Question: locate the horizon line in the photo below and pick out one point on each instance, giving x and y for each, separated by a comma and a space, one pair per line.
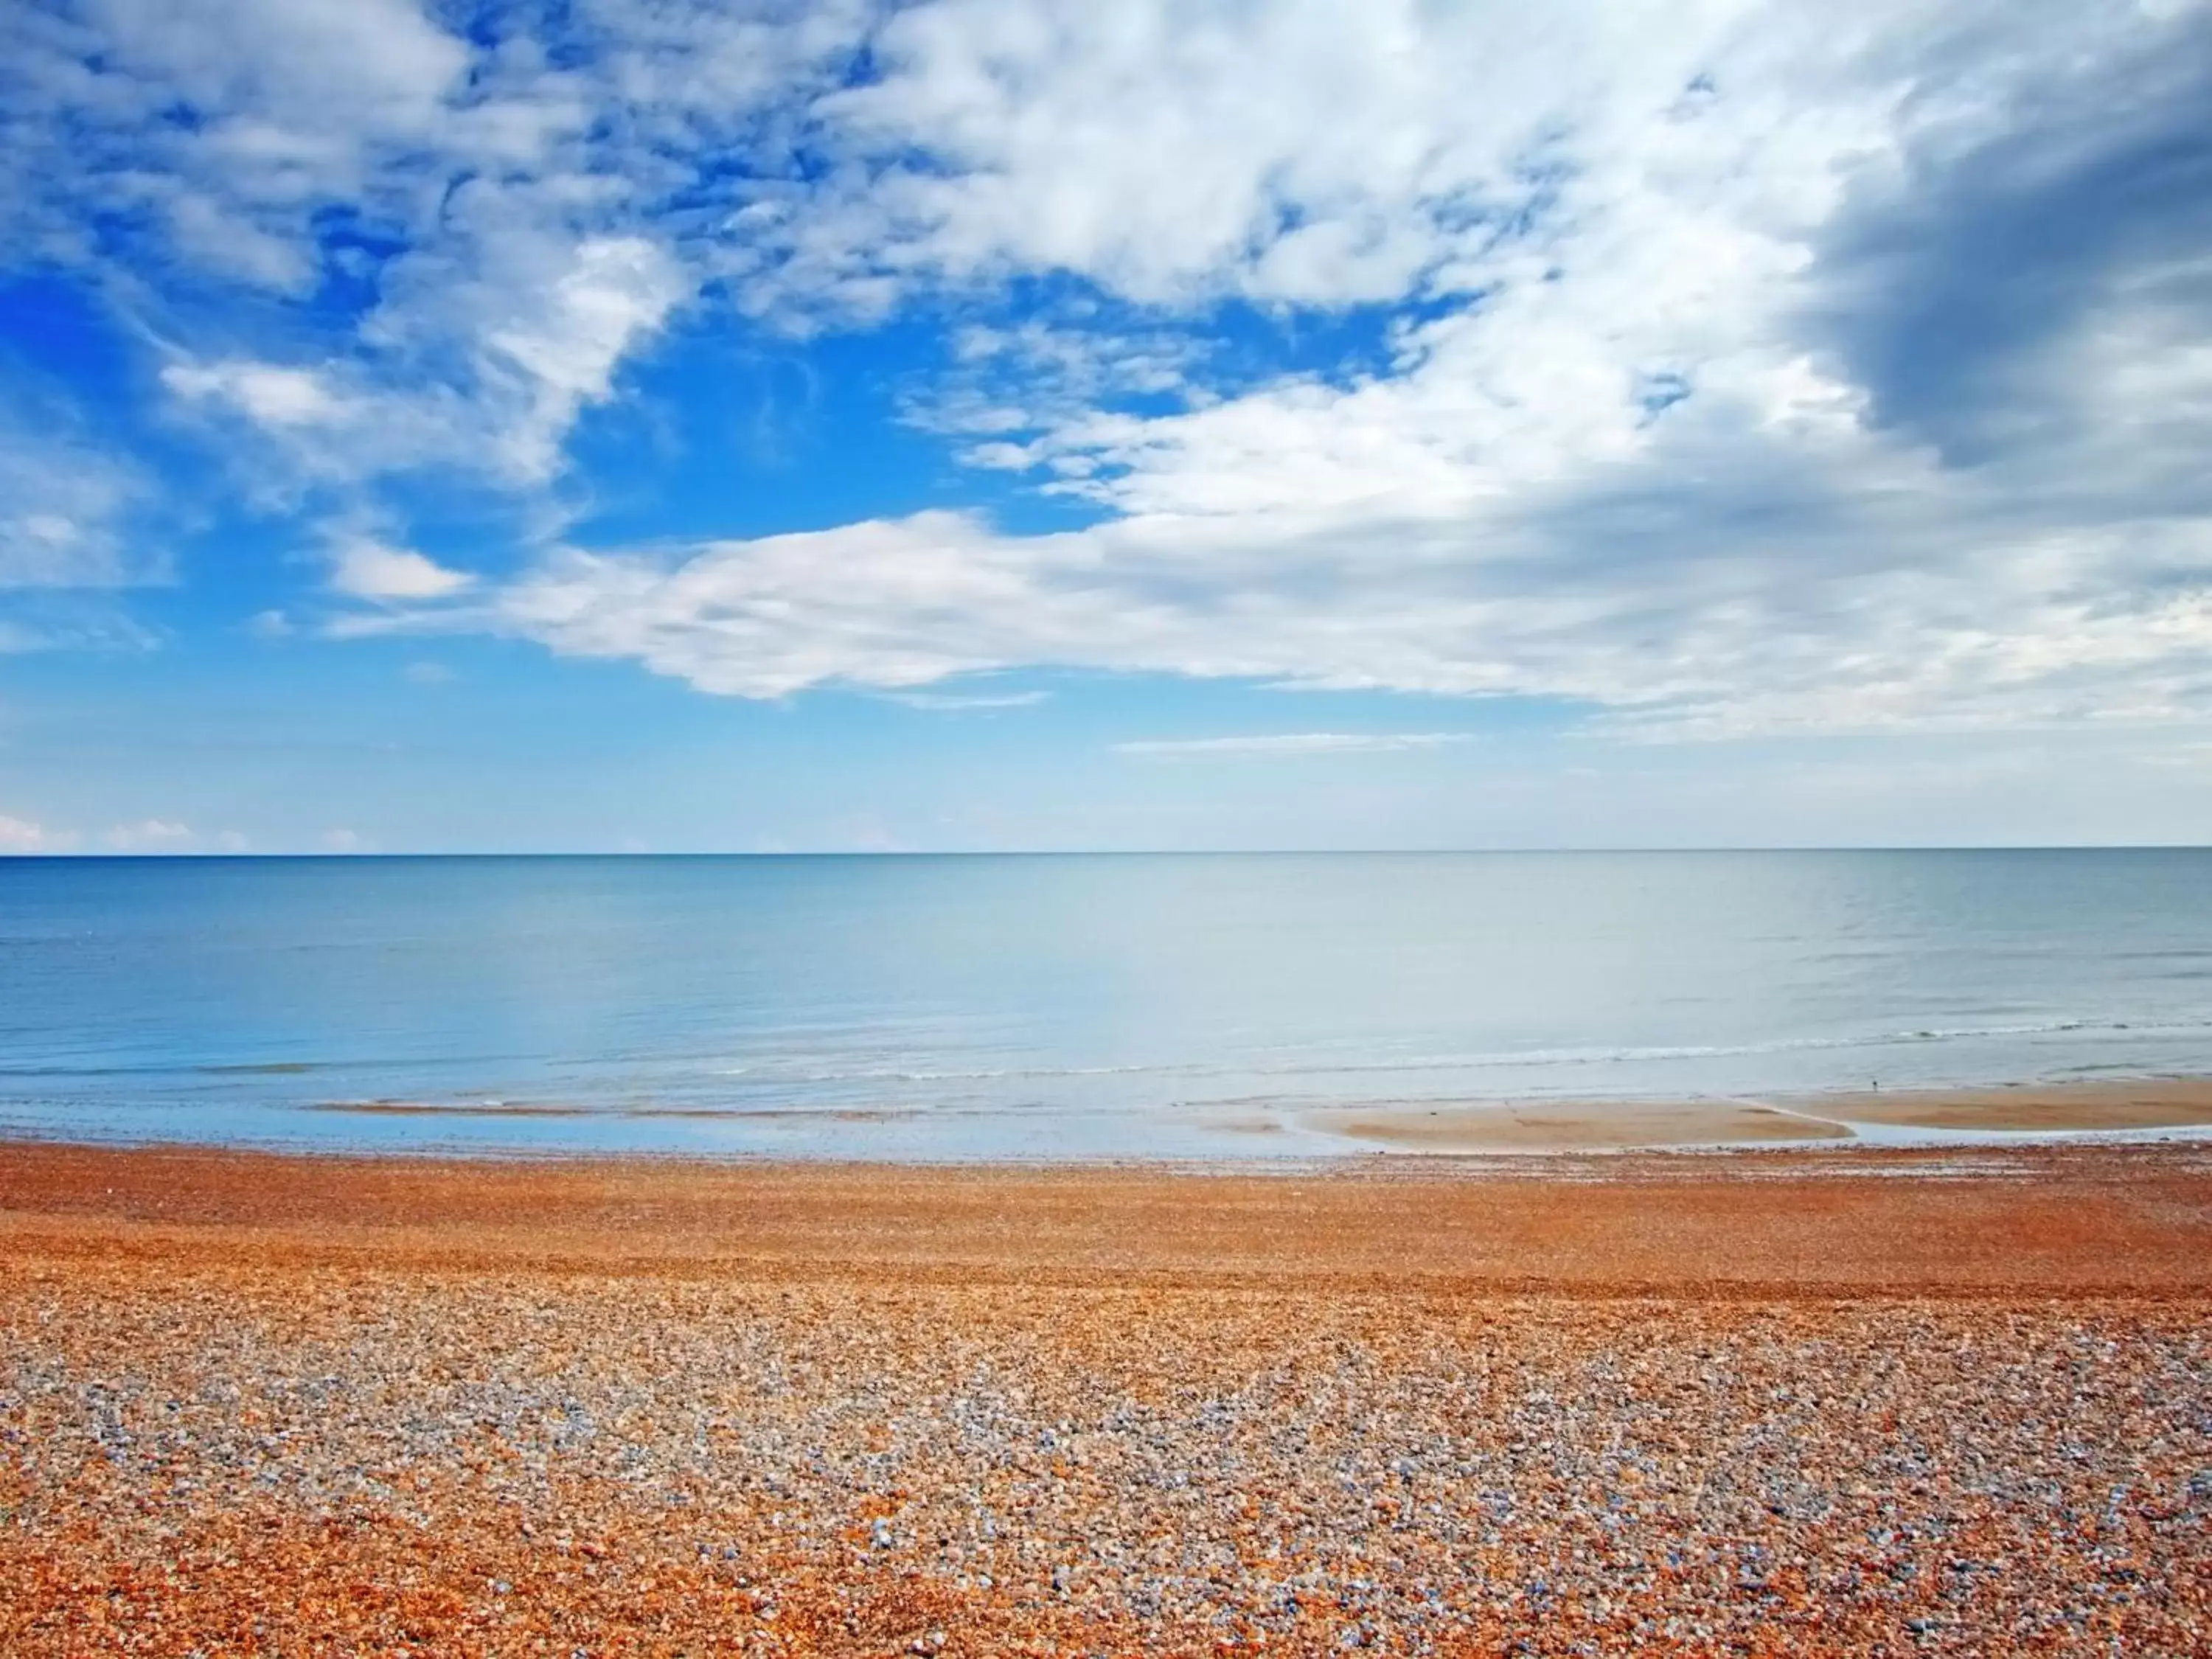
93, 857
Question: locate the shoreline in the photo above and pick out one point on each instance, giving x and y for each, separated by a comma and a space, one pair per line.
1254, 1134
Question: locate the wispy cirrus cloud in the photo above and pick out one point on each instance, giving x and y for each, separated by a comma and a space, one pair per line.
963, 702
1291, 744
68, 506
78, 528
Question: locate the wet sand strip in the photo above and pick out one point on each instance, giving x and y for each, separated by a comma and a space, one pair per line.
2150, 1104
1588, 1125
1571, 1125
1545, 1126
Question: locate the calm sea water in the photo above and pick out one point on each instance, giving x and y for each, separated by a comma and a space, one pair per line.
1041, 1006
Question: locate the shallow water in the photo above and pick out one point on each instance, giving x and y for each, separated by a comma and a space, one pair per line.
1047, 1007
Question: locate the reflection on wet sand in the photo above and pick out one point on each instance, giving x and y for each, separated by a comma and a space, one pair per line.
1570, 1126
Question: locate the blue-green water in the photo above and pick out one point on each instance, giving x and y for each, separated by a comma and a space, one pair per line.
1047, 1006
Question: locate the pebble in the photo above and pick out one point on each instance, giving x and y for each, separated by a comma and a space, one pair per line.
278, 1449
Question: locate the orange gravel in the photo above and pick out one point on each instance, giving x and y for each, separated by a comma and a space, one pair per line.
1776, 1402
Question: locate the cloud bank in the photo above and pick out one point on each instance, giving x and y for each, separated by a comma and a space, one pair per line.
1728, 367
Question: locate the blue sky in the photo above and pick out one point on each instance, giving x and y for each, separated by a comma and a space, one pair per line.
996, 423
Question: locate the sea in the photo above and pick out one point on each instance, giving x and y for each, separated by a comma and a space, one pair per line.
1046, 1007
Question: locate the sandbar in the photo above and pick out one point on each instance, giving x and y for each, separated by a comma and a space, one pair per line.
2148, 1103
1570, 1126
1477, 1127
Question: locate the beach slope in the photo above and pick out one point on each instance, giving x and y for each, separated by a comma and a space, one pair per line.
1768, 1401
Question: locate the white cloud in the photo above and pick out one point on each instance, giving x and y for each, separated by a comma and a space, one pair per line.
1281, 743
1613, 462
1857, 617
366, 569
263, 72
44, 548
274, 396
1723, 371
24, 835
220, 237
767, 617
549, 219
1312, 153
501, 213
67, 507
538, 341
564, 351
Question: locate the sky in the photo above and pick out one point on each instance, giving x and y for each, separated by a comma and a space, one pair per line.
605, 425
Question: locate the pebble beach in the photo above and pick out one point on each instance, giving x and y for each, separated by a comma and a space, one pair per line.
1769, 1401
